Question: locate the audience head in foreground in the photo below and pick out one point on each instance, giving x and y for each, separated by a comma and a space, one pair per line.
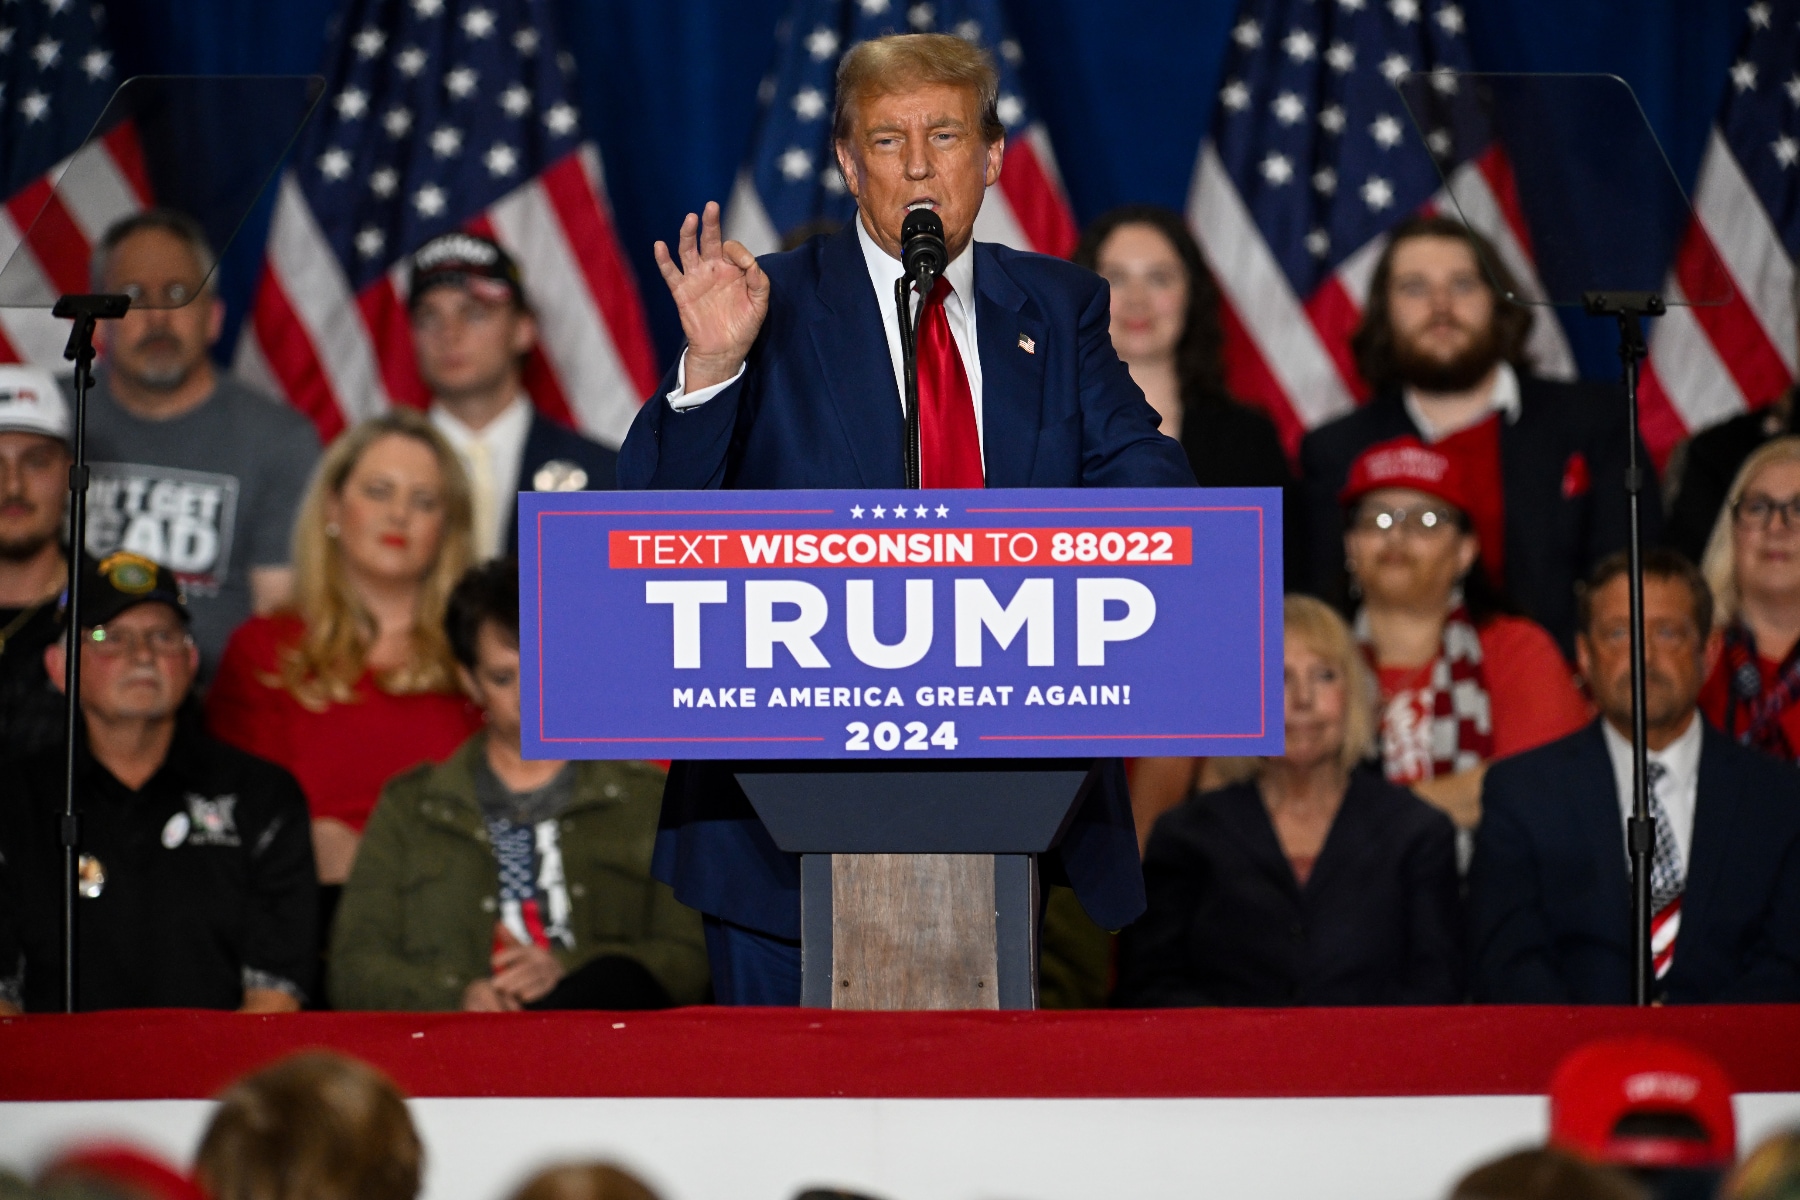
1463, 681
34, 492
494, 882
584, 1181
316, 1126
1653, 1107
1769, 1172
473, 333
196, 885
1318, 882
1549, 889
1753, 566
356, 682
1549, 1174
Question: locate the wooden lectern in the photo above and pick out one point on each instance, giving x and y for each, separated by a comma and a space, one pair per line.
918, 887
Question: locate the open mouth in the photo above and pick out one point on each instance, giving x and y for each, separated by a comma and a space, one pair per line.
918, 204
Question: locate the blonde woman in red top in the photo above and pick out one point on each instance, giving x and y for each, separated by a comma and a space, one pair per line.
355, 682
1462, 681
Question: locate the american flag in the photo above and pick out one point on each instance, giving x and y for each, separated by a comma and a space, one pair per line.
1709, 363
791, 178
56, 75
441, 115
1311, 161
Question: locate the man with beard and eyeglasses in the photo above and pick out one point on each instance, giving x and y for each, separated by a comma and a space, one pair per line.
1549, 908
190, 468
1444, 352
34, 490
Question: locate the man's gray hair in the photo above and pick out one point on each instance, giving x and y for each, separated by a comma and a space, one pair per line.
169, 220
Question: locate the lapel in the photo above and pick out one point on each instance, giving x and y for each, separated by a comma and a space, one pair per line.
1707, 851
853, 355
1349, 836
1594, 803
1012, 380
535, 453
1241, 809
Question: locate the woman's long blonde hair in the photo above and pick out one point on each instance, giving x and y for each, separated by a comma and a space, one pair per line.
1719, 563
324, 667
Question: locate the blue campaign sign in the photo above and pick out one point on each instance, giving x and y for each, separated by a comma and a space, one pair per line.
893, 625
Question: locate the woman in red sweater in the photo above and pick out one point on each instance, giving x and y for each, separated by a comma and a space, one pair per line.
355, 683
1462, 681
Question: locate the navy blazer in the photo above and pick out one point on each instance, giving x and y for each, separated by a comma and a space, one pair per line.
1560, 519
548, 442
817, 407
1377, 921
1550, 891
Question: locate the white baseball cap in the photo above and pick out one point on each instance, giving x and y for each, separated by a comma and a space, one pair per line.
31, 401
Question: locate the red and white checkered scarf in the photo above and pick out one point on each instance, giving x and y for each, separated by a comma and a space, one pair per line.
1446, 725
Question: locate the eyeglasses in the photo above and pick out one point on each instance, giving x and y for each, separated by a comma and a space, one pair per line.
1758, 511
1417, 522
1671, 635
117, 643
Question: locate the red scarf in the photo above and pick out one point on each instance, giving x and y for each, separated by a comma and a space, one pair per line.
1752, 715
1446, 725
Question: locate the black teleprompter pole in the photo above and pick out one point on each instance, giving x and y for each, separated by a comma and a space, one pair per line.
85, 311
1629, 309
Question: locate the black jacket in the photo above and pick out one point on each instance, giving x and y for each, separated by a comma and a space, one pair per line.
1560, 519
1228, 923
1710, 464
1550, 893
209, 883
549, 445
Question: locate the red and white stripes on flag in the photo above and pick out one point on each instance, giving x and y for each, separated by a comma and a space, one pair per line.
1027, 210
340, 356
1709, 363
1291, 354
55, 222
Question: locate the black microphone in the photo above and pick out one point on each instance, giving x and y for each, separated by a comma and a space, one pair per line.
922, 250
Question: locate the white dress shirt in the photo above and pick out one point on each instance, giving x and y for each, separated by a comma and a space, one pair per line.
1680, 789
884, 271
1503, 399
491, 457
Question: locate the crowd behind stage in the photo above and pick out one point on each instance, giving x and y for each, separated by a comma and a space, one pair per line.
298, 759
321, 1126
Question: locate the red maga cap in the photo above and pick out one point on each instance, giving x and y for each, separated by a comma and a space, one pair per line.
1406, 462
119, 1167
1603, 1083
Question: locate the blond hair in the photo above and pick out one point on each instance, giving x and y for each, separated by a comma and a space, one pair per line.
1769, 1172
316, 1126
1325, 632
332, 654
1719, 563
885, 65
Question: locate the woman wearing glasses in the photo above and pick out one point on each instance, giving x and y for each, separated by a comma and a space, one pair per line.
1752, 563
1462, 679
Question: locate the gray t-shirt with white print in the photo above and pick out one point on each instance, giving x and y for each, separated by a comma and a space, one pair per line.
209, 494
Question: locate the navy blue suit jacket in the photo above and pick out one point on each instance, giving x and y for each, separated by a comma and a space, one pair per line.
1550, 893
1559, 521
817, 407
548, 442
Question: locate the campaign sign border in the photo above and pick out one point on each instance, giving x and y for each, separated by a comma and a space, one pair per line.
585, 631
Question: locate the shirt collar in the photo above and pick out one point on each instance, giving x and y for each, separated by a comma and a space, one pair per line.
510, 424
1503, 399
1680, 758
884, 268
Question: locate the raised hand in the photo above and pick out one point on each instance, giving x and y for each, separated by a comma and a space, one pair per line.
721, 294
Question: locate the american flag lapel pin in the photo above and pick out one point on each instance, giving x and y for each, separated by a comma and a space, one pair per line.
1026, 344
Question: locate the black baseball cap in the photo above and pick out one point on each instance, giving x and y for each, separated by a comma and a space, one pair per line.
124, 580
470, 261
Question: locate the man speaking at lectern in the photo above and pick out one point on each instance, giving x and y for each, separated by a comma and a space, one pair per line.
792, 379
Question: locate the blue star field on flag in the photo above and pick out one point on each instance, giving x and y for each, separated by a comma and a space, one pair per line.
1761, 118
791, 161
1314, 134
56, 75
433, 110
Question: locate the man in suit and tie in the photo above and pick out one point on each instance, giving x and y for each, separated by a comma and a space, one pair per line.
1445, 352
472, 330
792, 379
1549, 888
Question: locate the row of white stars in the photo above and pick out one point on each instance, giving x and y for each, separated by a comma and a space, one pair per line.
47, 52
352, 104
1743, 78
796, 164
823, 41
34, 105
1301, 47
856, 511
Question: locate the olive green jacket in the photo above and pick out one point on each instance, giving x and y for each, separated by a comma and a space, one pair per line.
416, 924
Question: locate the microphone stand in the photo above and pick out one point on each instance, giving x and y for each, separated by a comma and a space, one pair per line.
85, 311
1640, 835
909, 364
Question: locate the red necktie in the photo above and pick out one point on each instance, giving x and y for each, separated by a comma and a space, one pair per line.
949, 446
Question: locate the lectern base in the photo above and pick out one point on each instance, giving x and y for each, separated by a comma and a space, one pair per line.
918, 931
